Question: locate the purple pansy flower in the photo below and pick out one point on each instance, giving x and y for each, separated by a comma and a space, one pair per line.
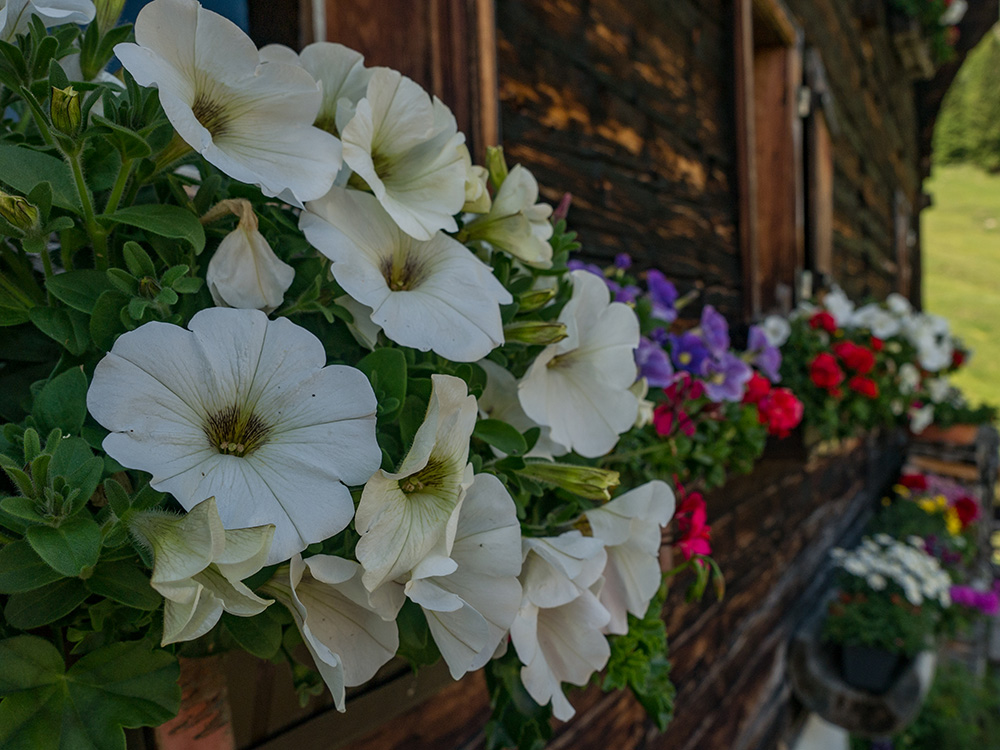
628, 294
689, 352
767, 358
663, 295
653, 363
579, 265
660, 336
715, 330
623, 261
725, 377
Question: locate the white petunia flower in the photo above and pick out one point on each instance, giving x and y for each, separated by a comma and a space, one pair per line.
579, 387
558, 631
938, 388
434, 295
251, 120
920, 417
629, 526
244, 271
647, 408
349, 632
776, 330
15, 15
470, 611
839, 306
198, 566
340, 70
882, 323
898, 304
407, 149
909, 377
408, 519
241, 408
516, 222
477, 196
499, 401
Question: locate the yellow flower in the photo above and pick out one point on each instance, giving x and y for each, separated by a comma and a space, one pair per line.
953, 522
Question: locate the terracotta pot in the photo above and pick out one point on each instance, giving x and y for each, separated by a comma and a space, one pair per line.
957, 434
204, 721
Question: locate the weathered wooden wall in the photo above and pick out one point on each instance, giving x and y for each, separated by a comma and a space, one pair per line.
629, 105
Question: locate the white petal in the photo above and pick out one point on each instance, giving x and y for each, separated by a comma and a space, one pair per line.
556, 568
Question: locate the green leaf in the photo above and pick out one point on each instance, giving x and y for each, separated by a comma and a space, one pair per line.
69, 328
79, 289
23, 168
105, 322
46, 604
62, 402
128, 142
260, 635
416, 644
172, 222
386, 371
125, 583
47, 708
23, 508
517, 720
501, 436
21, 569
69, 548
138, 260
75, 462
117, 497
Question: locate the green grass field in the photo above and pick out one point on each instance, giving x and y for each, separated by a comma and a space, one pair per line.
961, 247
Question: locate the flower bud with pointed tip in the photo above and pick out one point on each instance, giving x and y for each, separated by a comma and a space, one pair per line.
541, 332
496, 165
18, 211
108, 12
65, 110
586, 481
535, 299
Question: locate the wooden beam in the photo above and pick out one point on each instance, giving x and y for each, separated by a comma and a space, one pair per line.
746, 159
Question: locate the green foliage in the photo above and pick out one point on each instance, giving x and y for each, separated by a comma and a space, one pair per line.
47, 707
639, 662
517, 721
968, 126
962, 712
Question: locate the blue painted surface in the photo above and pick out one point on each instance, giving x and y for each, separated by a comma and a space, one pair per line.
234, 10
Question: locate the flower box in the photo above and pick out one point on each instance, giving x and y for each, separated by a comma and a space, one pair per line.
956, 434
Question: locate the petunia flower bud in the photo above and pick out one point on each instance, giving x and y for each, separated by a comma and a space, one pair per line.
535, 299
586, 481
65, 110
244, 272
108, 12
18, 211
541, 332
496, 165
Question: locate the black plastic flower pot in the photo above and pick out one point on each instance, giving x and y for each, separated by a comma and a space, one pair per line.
869, 669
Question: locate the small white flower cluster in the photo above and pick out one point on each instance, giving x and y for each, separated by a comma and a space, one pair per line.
882, 560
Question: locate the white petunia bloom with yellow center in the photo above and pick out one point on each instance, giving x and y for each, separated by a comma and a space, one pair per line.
629, 526
579, 387
517, 223
408, 519
253, 121
244, 271
432, 296
241, 408
349, 632
471, 610
198, 567
499, 401
340, 70
558, 631
407, 150
15, 15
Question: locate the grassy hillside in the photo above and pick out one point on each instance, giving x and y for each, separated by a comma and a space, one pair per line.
961, 246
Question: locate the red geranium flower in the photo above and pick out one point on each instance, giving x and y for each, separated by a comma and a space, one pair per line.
967, 509
757, 388
865, 386
877, 344
957, 358
825, 372
914, 481
823, 320
695, 534
857, 358
781, 411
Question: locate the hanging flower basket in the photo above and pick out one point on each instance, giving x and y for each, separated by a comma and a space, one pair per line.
870, 669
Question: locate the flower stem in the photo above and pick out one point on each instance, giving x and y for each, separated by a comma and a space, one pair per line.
97, 235
116, 192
